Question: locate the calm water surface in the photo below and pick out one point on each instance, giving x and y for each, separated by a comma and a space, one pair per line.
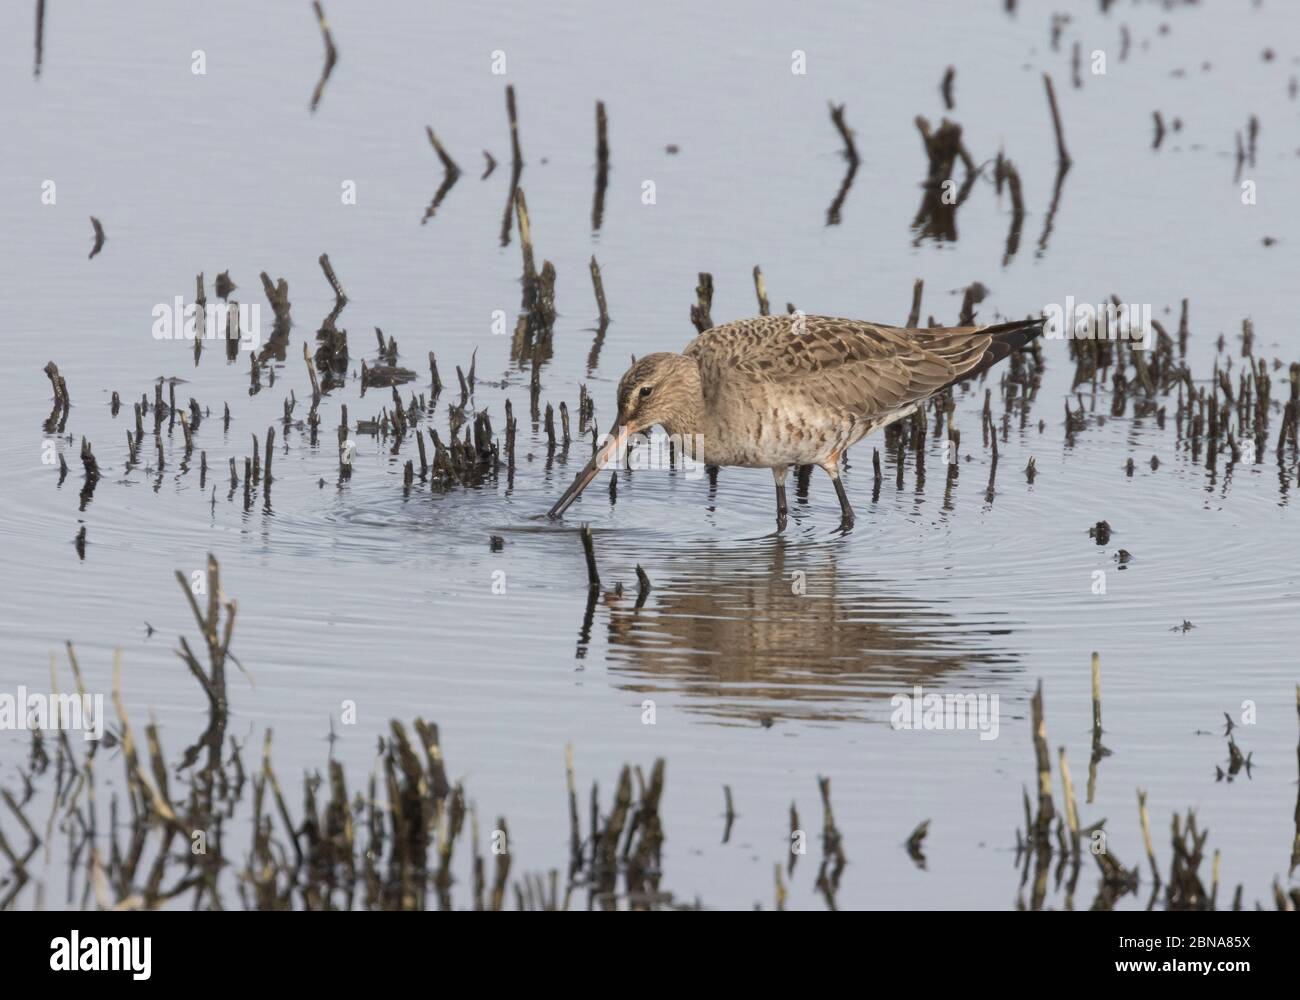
770, 658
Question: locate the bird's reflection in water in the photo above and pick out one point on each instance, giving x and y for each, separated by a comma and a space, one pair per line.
775, 631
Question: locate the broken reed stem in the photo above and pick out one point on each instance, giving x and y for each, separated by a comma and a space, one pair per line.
311, 373
1046, 811
127, 740
599, 286
345, 457
448, 164
40, 35
339, 295
837, 116
701, 311
516, 155
269, 450
511, 428
760, 289
59, 385
1071, 810
526, 245
1062, 155
1146, 834
434, 376
1017, 198
1295, 847
503, 868
331, 54
88, 461
1096, 697
602, 136
575, 831
916, 841
602, 168
589, 550
914, 316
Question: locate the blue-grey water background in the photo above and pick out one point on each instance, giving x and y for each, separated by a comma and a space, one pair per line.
358, 592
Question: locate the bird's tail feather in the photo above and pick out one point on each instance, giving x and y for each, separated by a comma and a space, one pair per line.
1017, 333
1004, 338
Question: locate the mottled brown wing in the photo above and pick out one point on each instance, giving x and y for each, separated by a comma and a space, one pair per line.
861, 368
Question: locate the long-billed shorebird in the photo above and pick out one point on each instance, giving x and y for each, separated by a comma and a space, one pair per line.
777, 391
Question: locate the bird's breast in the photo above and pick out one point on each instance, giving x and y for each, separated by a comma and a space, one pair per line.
762, 428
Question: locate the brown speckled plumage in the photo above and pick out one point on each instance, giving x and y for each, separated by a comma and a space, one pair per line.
776, 391
825, 382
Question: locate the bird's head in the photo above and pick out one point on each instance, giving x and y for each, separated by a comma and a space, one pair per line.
659, 390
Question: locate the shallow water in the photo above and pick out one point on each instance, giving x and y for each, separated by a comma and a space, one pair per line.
771, 659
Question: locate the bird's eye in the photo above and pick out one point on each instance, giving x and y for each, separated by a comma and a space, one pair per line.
645, 391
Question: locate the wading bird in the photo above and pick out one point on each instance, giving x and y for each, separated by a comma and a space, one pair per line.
777, 391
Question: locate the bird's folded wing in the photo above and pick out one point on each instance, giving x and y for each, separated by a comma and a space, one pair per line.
861, 368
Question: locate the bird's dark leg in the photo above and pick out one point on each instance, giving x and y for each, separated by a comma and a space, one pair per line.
779, 473
845, 506
833, 470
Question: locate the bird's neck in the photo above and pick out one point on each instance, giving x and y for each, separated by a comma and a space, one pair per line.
688, 414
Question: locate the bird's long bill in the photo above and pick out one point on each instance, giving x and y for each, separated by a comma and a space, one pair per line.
615, 441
